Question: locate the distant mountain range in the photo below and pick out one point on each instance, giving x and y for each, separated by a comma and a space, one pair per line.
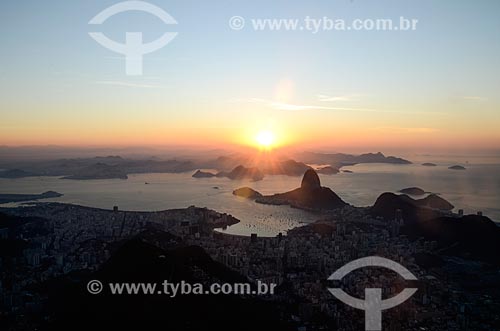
97, 168
233, 167
99, 171
339, 160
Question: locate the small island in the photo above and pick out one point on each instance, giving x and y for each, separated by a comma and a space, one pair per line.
412, 191
16, 173
428, 164
328, 170
241, 172
202, 174
6, 198
457, 167
238, 173
247, 192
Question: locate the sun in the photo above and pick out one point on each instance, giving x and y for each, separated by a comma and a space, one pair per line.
265, 139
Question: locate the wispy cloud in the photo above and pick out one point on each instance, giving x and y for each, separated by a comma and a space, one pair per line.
329, 98
296, 107
129, 84
304, 107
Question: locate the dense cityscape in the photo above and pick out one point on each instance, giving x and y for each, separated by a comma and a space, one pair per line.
56, 239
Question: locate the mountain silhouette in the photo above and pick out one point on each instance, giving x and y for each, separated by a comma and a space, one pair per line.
138, 261
310, 195
470, 236
412, 210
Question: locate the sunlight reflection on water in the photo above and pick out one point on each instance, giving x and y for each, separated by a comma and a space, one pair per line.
477, 188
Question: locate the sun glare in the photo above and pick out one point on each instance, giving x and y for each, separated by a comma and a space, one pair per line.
265, 139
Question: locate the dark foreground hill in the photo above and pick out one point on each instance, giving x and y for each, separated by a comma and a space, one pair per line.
137, 261
412, 209
470, 236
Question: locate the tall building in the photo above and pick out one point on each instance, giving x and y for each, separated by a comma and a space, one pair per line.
396, 223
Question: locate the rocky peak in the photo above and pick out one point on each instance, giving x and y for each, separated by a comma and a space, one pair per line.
310, 181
